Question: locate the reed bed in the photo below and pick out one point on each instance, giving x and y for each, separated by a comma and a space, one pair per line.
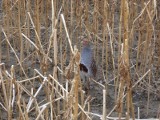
40, 55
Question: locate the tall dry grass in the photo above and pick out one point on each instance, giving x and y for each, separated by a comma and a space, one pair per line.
40, 55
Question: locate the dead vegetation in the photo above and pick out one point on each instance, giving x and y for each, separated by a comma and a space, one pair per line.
40, 55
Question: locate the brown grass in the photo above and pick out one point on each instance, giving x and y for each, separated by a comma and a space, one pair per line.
40, 56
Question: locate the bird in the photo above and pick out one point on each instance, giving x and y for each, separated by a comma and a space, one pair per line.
88, 67
87, 63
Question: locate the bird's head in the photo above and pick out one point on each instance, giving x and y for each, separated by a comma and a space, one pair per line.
86, 43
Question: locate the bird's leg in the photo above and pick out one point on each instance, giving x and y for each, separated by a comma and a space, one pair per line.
88, 87
88, 83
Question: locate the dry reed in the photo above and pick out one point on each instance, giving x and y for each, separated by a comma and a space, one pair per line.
39, 67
